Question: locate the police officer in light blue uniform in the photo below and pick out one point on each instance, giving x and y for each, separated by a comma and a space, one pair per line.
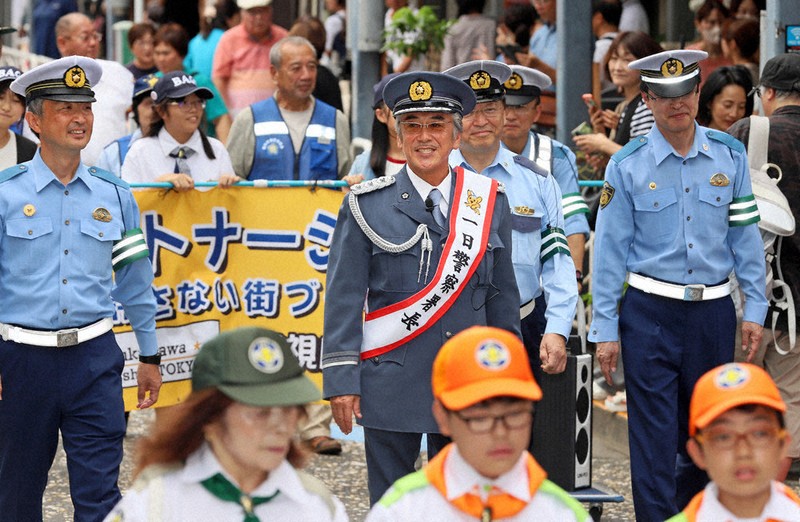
397, 241
70, 243
542, 262
677, 216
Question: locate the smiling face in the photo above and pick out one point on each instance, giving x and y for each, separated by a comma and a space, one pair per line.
493, 453
427, 149
63, 126
621, 75
297, 75
728, 107
674, 115
251, 441
482, 127
11, 108
743, 472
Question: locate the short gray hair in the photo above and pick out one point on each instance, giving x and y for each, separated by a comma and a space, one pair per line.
35, 106
275, 54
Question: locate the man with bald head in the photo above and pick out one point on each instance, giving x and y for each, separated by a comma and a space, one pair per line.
76, 36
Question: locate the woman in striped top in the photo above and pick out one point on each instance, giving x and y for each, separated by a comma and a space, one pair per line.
631, 118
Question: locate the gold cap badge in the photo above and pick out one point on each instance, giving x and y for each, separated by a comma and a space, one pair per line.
720, 180
29, 210
420, 91
480, 80
101, 214
514, 83
75, 77
671, 68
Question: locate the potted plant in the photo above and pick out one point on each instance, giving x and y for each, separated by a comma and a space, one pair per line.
417, 33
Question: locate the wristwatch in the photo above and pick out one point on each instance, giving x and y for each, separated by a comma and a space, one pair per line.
150, 359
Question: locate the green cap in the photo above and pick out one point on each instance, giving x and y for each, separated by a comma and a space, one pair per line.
254, 366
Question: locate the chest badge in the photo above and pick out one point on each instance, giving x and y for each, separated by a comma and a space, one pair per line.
652, 185
524, 211
29, 210
473, 202
719, 180
101, 214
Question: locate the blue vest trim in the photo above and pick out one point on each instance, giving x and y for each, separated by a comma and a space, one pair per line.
274, 157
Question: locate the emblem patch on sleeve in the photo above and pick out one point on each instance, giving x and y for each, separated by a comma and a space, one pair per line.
606, 195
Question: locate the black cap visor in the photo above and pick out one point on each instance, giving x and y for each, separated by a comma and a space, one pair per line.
673, 89
63, 94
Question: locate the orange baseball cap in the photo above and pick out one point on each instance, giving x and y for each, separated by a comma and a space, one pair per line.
728, 386
480, 363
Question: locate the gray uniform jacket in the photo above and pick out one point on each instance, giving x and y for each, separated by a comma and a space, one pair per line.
395, 387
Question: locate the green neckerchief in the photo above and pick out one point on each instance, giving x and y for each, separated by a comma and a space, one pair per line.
223, 489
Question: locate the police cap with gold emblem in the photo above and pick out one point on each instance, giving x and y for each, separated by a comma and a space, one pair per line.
485, 77
428, 92
68, 79
670, 74
525, 85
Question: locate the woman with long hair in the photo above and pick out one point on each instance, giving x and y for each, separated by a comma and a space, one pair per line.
230, 451
174, 148
14, 148
385, 157
631, 117
724, 98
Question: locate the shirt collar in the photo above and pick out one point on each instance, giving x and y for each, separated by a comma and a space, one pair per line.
461, 478
778, 506
662, 148
424, 188
43, 176
504, 159
203, 464
168, 143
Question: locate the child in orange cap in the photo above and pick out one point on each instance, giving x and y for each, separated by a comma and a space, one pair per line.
738, 437
483, 399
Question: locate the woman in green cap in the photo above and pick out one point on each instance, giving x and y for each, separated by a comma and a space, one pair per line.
229, 451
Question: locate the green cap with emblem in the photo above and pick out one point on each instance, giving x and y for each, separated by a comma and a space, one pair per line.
68, 79
254, 366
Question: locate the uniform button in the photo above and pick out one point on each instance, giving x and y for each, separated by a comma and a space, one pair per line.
66, 192
690, 270
691, 245
687, 189
688, 218
64, 281
66, 252
30, 232
100, 234
448, 334
717, 199
594, 332
64, 311
655, 204
684, 162
489, 246
66, 221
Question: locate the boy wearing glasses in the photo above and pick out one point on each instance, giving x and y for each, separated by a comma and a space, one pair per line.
738, 437
483, 399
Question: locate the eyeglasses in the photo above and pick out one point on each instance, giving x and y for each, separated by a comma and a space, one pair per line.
521, 108
415, 128
188, 105
491, 111
85, 37
511, 421
727, 439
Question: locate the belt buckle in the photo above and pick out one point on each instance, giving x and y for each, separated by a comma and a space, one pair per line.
65, 338
693, 292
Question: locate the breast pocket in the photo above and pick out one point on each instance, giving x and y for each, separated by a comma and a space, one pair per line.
30, 241
97, 239
713, 210
526, 239
323, 160
656, 215
397, 272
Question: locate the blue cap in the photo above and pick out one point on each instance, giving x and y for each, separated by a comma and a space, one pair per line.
144, 85
422, 91
670, 74
525, 85
178, 84
377, 89
485, 77
9, 73
68, 79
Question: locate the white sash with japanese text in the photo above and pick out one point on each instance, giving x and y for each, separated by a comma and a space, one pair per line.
470, 223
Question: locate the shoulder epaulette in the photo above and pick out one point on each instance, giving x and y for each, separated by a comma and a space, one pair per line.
12, 172
107, 176
372, 185
414, 481
501, 187
631, 147
558, 151
727, 139
529, 164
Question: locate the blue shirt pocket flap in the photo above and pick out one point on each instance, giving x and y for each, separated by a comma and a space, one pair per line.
29, 228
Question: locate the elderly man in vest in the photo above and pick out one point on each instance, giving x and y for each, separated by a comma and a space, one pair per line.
291, 135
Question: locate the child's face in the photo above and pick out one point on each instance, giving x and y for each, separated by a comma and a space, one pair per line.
494, 451
741, 451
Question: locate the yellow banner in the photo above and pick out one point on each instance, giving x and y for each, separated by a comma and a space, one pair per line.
229, 258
